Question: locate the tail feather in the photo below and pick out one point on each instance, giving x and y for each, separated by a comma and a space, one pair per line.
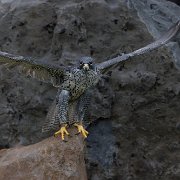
51, 121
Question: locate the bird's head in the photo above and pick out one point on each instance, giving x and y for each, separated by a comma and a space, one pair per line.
86, 63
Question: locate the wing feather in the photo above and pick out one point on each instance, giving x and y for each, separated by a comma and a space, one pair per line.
39, 70
51, 121
161, 41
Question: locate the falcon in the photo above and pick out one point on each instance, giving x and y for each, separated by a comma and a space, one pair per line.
74, 83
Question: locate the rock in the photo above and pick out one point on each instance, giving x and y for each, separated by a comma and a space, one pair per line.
178, 126
175, 1
48, 159
158, 16
135, 110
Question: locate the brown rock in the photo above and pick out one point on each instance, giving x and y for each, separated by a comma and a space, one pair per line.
50, 159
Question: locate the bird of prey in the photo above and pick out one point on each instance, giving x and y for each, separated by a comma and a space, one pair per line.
74, 83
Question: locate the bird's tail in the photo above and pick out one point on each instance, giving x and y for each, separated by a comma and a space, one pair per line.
51, 121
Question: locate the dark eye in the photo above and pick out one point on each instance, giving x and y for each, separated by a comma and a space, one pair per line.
90, 63
81, 62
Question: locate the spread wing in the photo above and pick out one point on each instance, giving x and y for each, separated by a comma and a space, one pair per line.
161, 41
39, 70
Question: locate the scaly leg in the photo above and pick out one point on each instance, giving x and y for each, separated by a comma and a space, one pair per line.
62, 131
81, 130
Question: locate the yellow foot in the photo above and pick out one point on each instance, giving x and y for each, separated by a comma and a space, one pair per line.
62, 132
81, 130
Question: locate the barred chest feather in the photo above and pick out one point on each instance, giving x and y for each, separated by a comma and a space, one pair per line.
78, 81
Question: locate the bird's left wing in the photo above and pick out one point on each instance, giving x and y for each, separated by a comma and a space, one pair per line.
161, 41
40, 70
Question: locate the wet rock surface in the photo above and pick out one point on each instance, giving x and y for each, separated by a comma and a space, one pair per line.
135, 134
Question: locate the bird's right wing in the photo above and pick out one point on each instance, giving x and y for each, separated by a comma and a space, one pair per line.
104, 66
40, 70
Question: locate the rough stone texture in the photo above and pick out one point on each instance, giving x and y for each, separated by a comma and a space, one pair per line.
48, 159
175, 1
136, 108
158, 16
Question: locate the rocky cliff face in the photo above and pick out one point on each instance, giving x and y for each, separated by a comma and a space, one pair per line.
135, 134
158, 15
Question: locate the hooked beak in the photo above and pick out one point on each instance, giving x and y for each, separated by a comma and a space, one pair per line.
86, 67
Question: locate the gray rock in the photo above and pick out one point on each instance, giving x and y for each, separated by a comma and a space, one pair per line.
158, 16
135, 110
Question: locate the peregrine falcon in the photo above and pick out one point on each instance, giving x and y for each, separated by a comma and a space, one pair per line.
74, 83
